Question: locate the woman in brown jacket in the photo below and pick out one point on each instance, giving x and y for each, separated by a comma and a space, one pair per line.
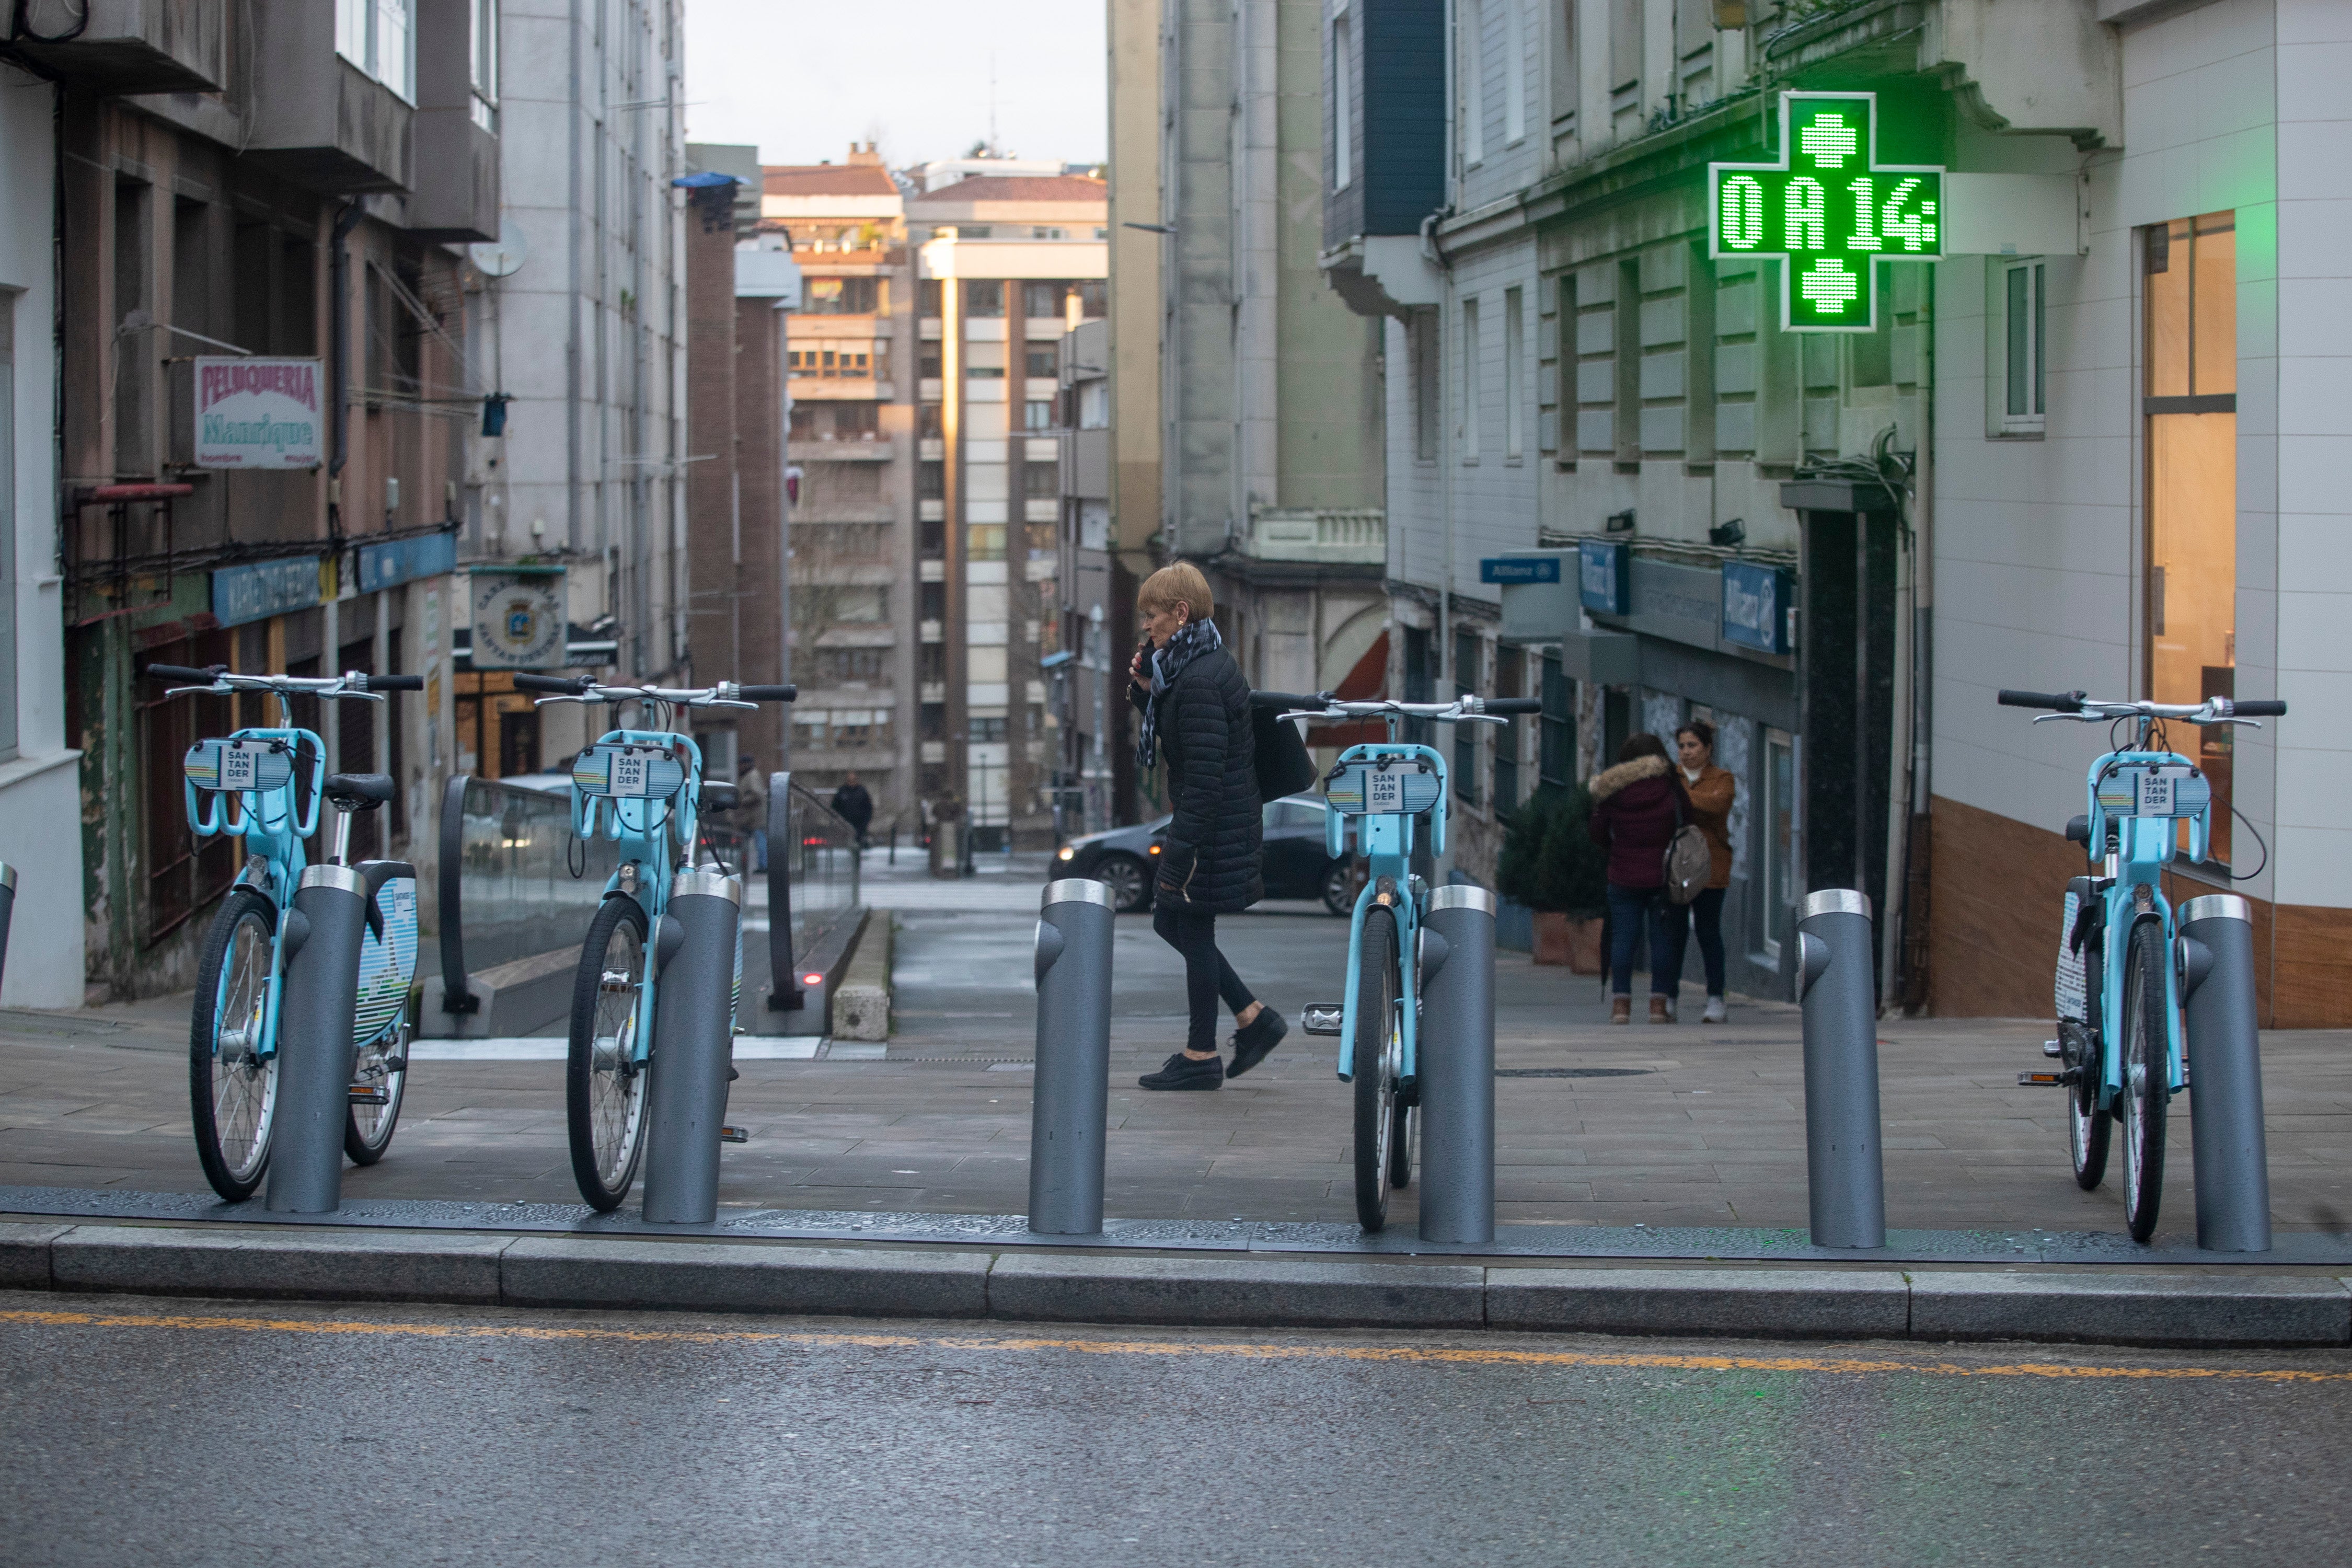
1710, 791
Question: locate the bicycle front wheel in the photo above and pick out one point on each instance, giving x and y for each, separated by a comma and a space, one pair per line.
603, 1084
232, 1077
2148, 1087
379, 1083
1377, 1051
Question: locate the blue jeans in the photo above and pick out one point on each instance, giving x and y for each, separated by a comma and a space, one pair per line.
1633, 910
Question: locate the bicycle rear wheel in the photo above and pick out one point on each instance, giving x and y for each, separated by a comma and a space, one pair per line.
603, 1084
232, 1087
2089, 1124
2146, 1080
381, 1069
1378, 986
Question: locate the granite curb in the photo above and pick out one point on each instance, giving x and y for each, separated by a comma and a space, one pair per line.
696, 1274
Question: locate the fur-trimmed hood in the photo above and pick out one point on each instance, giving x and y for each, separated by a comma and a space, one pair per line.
1608, 780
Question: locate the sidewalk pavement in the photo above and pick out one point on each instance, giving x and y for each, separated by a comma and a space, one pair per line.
1690, 1125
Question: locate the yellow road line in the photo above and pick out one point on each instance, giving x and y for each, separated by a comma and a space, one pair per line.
1431, 1354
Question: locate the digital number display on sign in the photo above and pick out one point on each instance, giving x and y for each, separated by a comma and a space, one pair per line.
1829, 210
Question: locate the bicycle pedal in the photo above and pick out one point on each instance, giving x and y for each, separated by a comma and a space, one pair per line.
734, 1135
2051, 1048
368, 1094
2040, 1080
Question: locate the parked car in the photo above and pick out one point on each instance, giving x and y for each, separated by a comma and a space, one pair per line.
1296, 866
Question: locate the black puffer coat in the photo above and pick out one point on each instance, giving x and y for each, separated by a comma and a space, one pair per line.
1212, 859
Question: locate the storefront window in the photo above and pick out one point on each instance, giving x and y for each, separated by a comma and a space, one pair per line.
2190, 408
1779, 839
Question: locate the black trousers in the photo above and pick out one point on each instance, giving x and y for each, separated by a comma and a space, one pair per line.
1207, 975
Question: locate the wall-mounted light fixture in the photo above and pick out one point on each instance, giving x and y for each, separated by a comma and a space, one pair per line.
1729, 535
1621, 522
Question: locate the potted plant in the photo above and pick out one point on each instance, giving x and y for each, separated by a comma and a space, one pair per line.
1549, 863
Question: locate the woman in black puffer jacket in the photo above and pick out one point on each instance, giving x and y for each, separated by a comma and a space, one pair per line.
1195, 708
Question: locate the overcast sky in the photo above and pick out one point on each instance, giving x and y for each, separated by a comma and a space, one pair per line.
802, 78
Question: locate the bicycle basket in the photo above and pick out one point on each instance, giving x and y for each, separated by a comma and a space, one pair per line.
1399, 786
636, 773
232, 766
2154, 789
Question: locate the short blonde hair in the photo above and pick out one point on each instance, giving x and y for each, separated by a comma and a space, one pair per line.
1179, 583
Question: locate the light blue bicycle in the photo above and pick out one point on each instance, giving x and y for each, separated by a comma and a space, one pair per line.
1384, 788
644, 789
233, 1045
2119, 982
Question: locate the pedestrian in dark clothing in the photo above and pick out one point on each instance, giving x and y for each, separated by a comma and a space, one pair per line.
1711, 791
853, 807
1195, 708
1635, 814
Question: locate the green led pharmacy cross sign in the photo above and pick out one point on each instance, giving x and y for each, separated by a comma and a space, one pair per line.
1829, 209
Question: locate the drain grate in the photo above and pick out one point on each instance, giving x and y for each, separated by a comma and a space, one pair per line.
1573, 1072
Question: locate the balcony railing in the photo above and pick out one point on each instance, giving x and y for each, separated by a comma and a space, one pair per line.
1354, 537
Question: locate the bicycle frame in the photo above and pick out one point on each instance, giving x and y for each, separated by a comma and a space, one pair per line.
650, 830
2134, 871
1385, 839
274, 830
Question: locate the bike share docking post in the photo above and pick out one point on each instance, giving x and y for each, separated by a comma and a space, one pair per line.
8, 908
785, 993
2233, 1181
317, 1009
694, 955
1071, 1100
1845, 1173
1457, 1065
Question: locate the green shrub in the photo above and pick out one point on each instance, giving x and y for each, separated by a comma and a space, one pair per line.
1547, 859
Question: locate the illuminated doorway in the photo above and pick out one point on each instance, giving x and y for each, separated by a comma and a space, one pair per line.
2189, 404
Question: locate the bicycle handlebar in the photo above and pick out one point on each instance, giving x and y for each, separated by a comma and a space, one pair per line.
1323, 705
182, 672
787, 692
2259, 707
587, 689
569, 685
2057, 702
351, 686
1514, 705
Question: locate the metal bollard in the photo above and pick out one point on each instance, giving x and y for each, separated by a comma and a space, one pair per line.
8, 909
2233, 1178
1071, 1101
1456, 1066
1844, 1171
694, 952
318, 1004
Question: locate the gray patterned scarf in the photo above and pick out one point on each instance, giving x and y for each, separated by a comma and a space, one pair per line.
1190, 640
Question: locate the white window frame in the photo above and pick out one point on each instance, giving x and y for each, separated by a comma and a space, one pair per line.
2022, 285
1515, 73
1514, 361
1473, 82
1468, 354
1343, 128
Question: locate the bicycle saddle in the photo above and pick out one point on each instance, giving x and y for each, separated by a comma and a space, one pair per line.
359, 792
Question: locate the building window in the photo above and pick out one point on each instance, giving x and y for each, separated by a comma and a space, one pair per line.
1343, 108
1514, 359
1556, 741
843, 296
986, 730
1472, 51
1042, 232
1778, 818
379, 36
2190, 408
1467, 352
1038, 417
2021, 339
983, 296
1041, 481
1094, 300
1425, 412
841, 363
985, 541
1093, 405
1515, 74
1510, 680
1043, 363
927, 298
482, 40
1043, 301
930, 481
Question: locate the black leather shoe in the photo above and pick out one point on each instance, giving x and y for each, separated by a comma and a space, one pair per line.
1252, 1045
1181, 1071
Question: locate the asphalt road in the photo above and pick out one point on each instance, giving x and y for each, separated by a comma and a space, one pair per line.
182, 1432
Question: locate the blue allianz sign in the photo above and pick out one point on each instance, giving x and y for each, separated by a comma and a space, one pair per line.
265, 588
1605, 576
1520, 568
1756, 604
405, 560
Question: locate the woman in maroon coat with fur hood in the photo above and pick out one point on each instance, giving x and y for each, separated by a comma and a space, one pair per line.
1635, 813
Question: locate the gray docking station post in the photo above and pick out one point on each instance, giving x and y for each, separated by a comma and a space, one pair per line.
694, 955
2225, 1057
1845, 1171
1455, 1066
1071, 1100
317, 1004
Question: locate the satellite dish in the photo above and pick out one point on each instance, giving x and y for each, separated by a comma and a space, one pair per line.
500, 258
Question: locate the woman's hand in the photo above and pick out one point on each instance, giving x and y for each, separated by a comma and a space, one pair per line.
1135, 671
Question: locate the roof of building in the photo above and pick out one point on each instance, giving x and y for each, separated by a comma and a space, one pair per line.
1019, 188
826, 180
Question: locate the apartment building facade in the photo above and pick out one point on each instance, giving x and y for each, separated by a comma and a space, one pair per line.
1574, 377
261, 201
848, 379
1006, 266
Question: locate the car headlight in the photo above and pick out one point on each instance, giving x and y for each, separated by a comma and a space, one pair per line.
1068, 852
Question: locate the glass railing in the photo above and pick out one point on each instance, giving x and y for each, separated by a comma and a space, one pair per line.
520, 883
820, 854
